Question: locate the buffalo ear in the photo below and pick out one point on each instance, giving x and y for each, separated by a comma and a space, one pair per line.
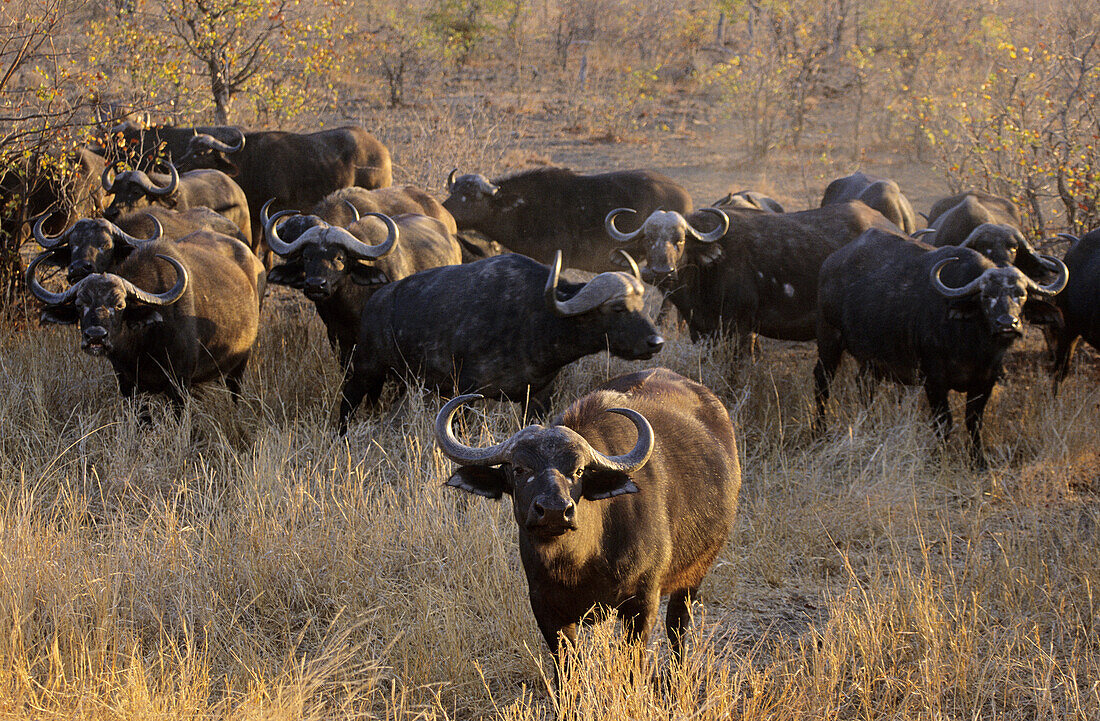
292, 274
228, 166
366, 274
508, 201
1043, 312
480, 481
600, 484
59, 315
707, 253
143, 315
967, 310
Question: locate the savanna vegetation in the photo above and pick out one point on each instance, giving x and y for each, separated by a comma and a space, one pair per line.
242, 561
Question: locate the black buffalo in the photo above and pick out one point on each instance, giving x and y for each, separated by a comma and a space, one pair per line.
136, 144
1002, 209
338, 269
1079, 302
343, 207
503, 326
879, 193
944, 317
298, 170
172, 315
539, 212
607, 527
744, 271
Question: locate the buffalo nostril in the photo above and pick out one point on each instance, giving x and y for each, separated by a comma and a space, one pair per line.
95, 331
570, 512
540, 510
655, 342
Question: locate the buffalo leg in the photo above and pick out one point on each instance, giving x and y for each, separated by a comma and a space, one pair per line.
127, 387
865, 384
1065, 344
356, 387
235, 379
555, 630
975, 410
640, 613
677, 619
830, 351
941, 409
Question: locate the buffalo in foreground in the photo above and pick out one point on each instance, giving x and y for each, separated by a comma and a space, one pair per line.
172, 315
539, 212
1079, 302
607, 527
911, 313
503, 326
745, 271
879, 193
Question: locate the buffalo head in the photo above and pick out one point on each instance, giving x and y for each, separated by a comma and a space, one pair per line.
106, 305
611, 303
133, 189
550, 472
1006, 245
206, 151
474, 200
1000, 295
91, 245
664, 237
319, 257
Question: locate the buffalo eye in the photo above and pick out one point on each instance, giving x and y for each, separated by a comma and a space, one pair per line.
520, 472
578, 474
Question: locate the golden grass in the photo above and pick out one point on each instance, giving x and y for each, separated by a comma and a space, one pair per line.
243, 562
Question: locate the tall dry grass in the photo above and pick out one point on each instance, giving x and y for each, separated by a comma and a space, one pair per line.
243, 562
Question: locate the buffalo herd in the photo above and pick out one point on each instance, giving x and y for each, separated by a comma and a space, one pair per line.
630, 493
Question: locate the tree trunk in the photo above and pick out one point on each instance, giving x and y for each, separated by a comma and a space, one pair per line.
219, 88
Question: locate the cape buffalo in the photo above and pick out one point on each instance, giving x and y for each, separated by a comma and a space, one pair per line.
606, 530
539, 212
135, 143
134, 190
749, 200
172, 315
343, 207
748, 271
1079, 302
298, 170
96, 245
503, 326
944, 317
879, 193
338, 269
1002, 209
66, 189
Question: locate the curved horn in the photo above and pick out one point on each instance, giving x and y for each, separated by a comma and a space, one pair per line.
922, 232
169, 296
451, 180
551, 290
271, 232
634, 269
41, 293
616, 234
370, 252
639, 455
454, 448
221, 147
120, 234
1057, 285
723, 226
1068, 236
173, 183
44, 240
354, 210
112, 168
968, 289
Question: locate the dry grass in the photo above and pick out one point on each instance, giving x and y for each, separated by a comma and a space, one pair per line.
242, 562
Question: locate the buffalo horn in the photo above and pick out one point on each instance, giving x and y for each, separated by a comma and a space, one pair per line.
169, 296
271, 231
173, 183
454, 448
36, 289
1057, 285
633, 266
107, 172
120, 234
723, 226
44, 240
1068, 236
969, 289
615, 233
221, 147
641, 452
354, 210
369, 252
922, 232
451, 180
